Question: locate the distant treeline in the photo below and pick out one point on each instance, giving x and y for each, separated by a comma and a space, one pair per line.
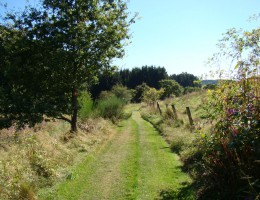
151, 75
206, 82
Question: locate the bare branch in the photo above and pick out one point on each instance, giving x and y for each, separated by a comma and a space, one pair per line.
64, 118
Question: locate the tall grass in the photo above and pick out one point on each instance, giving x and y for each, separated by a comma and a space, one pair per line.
110, 108
222, 151
34, 159
177, 132
86, 105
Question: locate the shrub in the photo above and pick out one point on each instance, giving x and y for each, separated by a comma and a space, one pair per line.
189, 89
232, 148
111, 108
231, 152
152, 95
139, 92
122, 92
210, 86
170, 87
105, 94
85, 104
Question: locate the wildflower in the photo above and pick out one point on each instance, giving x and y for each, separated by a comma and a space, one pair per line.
231, 111
234, 132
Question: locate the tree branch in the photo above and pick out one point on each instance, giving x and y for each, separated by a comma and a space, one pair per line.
64, 118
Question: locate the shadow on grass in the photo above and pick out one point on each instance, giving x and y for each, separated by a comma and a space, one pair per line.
185, 193
165, 148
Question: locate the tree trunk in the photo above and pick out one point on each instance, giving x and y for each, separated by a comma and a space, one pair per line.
74, 101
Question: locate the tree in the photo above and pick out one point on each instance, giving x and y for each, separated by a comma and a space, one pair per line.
150, 75
60, 49
139, 92
122, 92
22, 81
185, 79
152, 95
106, 80
170, 87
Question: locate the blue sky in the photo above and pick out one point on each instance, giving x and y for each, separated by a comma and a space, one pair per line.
180, 34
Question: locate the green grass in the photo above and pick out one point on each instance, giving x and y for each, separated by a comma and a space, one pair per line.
92, 177
130, 167
178, 133
110, 108
37, 158
86, 105
135, 164
160, 170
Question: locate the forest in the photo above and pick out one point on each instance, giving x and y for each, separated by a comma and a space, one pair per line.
73, 126
150, 75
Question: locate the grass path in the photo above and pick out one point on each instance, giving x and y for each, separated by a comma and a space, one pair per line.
135, 164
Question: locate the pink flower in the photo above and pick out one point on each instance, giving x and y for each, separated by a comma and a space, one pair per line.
234, 132
231, 111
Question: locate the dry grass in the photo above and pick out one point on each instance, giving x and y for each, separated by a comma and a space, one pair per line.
35, 158
178, 133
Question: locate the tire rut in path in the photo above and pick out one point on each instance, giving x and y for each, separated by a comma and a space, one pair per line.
110, 174
135, 164
160, 169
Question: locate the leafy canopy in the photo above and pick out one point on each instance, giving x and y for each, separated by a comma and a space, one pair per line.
152, 95
50, 53
170, 87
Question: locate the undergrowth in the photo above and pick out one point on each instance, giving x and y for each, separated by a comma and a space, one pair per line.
220, 151
179, 134
37, 158
110, 108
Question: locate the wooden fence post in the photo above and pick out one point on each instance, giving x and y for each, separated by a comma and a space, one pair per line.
189, 115
174, 112
158, 106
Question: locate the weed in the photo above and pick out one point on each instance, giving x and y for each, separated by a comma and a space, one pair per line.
26, 192
169, 114
86, 105
38, 160
177, 133
111, 108
178, 123
231, 148
167, 194
177, 146
33, 160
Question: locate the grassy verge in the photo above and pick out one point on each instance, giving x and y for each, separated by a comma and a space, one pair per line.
160, 174
178, 133
135, 164
37, 158
107, 173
